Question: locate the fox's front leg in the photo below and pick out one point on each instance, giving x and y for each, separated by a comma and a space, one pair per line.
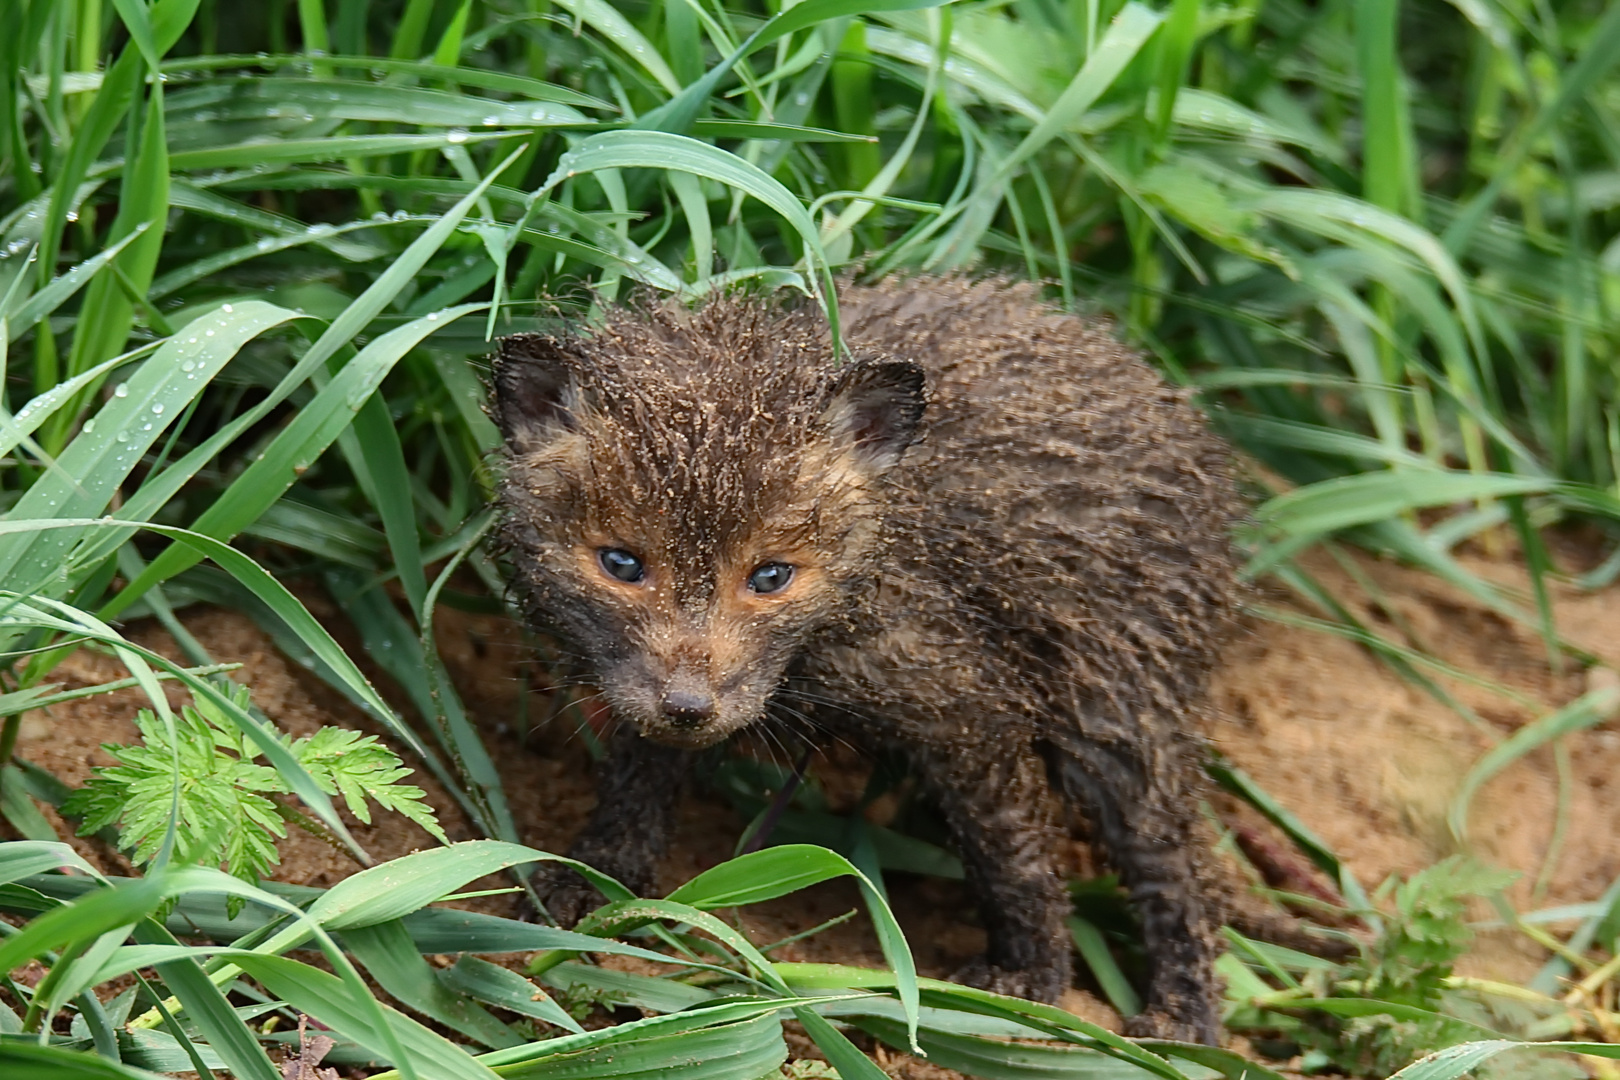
638, 785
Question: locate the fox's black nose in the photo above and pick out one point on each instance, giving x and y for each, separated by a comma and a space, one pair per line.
684, 708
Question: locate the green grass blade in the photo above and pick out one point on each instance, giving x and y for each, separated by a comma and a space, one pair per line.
506, 989
51, 1063
1585, 711
312, 430
384, 949
775, 871
100, 460
354, 1016
207, 1007
1094, 951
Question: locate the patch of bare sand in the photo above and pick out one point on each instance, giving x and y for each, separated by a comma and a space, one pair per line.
1372, 763
1366, 760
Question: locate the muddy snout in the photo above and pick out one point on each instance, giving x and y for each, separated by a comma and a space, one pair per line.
687, 704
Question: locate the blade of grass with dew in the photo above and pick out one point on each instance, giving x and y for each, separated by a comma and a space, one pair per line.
98, 461
246, 572
155, 493
107, 313
312, 430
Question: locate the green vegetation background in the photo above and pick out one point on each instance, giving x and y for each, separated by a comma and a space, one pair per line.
251, 256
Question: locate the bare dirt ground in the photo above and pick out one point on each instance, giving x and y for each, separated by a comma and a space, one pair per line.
1367, 760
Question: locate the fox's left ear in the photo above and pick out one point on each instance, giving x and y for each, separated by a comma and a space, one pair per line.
535, 391
875, 407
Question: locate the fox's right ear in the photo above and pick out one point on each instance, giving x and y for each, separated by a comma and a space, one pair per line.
534, 390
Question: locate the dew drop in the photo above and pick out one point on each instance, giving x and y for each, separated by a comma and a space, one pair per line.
123, 436
157, 410
121, 390
456, 135
189, 365
226, 308
89, 426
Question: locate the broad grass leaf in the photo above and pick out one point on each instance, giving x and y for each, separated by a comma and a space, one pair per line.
78, 924
228, 99
995, 1059
311, 431
509, 82
331, 148
24, 311
775, 871
842, 1053
354, 1016
98, 461
18, 428
576, 1055
1048, 1019
615, 918
108, 310
741, 1050
24, 858
386, 952
1372, 497
207, 1007
506, 989
1094, 950
155, 493
607, 21
399, 887
51, 1063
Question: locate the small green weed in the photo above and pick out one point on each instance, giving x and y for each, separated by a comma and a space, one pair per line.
207, 769
1398, 999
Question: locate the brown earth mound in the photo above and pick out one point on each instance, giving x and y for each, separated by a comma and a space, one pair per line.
1367, 760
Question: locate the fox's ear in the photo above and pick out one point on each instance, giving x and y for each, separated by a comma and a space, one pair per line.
534, 390
875, 408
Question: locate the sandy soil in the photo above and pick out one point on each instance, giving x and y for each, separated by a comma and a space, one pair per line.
1367, 760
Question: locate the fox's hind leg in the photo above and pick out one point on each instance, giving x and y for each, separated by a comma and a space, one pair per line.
1142, 810
996, 801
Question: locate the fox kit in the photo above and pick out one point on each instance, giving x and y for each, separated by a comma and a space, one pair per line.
990, 538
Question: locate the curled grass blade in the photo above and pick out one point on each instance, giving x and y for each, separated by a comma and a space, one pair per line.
1586, 711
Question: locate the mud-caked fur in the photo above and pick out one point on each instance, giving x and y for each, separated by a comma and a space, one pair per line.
1009, 542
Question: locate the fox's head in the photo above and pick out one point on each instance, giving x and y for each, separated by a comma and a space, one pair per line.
690, 494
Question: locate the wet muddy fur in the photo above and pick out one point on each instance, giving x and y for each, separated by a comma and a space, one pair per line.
1006, 551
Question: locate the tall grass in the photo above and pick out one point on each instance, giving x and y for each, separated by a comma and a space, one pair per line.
252, 254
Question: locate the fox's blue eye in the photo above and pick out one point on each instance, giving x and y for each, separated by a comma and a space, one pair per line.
620, 564
770, 577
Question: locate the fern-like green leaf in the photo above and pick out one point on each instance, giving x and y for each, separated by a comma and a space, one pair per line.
225, 813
